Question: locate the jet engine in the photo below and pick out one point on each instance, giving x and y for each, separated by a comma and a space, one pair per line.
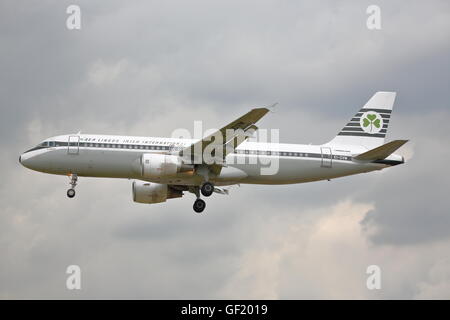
158, 165
146, 192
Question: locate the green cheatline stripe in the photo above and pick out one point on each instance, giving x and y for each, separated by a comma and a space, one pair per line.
35, 148
376, 110
242, 152
362, 134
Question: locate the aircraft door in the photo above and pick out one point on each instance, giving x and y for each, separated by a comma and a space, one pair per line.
73, 147
327, 157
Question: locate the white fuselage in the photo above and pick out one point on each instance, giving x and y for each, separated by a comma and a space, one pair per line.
252, 162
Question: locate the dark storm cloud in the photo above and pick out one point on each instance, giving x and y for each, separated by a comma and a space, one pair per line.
146, 68
238, 60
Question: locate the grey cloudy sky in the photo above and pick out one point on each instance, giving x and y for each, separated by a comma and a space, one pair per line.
148, 67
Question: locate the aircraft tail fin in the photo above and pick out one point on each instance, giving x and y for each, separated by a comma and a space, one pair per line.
381, 152
369, 125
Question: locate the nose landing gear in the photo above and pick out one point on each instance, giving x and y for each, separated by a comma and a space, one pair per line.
73, 183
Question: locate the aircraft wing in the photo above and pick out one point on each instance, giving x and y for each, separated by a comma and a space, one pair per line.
224, 141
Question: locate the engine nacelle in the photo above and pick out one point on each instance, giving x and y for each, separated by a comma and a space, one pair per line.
159, 165
146, 192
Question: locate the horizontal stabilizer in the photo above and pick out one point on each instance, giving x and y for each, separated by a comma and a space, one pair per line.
381, 152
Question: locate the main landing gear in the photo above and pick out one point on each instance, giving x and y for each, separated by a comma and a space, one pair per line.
199, 205
206, 190
73, 182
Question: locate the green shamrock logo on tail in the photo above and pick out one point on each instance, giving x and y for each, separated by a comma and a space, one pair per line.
371, 122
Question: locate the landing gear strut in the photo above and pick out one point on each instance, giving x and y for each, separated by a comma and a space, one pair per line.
73, 183
207, 189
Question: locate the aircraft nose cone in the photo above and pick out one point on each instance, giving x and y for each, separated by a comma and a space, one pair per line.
24, 160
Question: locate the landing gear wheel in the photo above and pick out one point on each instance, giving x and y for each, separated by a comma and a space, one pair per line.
199, 205
207, 189
71, 193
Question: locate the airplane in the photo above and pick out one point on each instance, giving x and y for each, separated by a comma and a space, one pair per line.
165, 168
